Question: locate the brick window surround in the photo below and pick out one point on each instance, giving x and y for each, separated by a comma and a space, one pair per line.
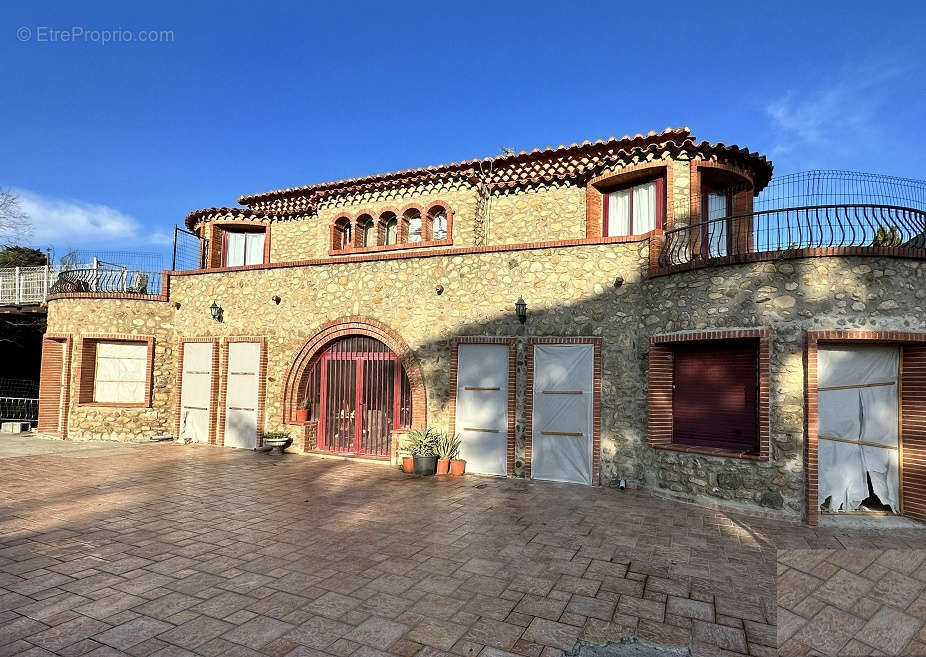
86, 368
911, 409
512, 344
214, 385
596, 400
55, 384
216, 244
294, 381
261, 386
660, 390
598, 187
378, 217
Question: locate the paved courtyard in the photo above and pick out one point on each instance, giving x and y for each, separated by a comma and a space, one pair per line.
852, 602
171, 550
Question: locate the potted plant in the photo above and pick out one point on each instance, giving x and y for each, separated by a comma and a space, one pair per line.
457, 465
302, 411
404, 453
444, 452
277, 439
424, 454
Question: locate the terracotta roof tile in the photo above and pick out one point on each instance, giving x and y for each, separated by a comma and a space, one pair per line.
509, 170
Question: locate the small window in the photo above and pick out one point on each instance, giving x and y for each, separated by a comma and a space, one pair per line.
343, 234
120, 372
390, 228
714, 234
633, 210
414, 225
367, 229
438, 223
243, 248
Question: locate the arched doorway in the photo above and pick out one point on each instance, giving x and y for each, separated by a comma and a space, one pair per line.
357, 389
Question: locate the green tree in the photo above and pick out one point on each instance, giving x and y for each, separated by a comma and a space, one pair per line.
21, 256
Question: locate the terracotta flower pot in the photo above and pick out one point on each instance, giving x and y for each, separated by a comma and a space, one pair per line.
443, 466
408, 464
302, 415
457, 467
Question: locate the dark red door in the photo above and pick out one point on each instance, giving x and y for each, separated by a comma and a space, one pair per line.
715, 396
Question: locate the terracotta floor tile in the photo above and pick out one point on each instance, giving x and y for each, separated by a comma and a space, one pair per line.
327, 569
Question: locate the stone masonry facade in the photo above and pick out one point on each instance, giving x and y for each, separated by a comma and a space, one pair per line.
536, 245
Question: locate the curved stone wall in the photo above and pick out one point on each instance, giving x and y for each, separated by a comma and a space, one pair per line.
569, 291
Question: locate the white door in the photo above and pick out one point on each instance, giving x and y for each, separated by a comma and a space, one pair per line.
242, 386
562, 413
857, 425
482, 407
196, 391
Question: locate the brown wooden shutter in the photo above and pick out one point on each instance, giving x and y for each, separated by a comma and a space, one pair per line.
715, 400
913, 430
51, 386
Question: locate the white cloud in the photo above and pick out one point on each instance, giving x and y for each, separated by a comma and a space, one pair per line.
837, 113
67, 223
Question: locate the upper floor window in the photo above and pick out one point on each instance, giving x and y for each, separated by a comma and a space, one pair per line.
390, 228
414, 225
715, 236
242, 247
438, 216
634, 209
343, 233
367, 228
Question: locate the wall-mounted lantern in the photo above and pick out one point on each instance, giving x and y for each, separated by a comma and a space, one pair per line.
618, 281
216, 311
176, 305
276, 299
439, 289
520, 308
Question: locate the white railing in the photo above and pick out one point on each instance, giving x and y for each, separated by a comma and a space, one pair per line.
20, 286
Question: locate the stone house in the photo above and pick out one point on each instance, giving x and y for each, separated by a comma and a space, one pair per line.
672, 335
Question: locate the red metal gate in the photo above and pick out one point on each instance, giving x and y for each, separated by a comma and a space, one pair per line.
362, 393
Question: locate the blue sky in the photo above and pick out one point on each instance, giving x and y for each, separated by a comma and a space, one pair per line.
112, 144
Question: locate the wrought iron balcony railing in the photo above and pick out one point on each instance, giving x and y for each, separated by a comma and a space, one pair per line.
107, 280
736, 238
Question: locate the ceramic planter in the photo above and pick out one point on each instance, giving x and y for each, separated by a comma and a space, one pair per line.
457, 467
302, 415
443, 466
408, 464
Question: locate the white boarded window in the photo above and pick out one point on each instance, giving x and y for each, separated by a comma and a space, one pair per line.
439, 225
121, 372
414, 228
633, 210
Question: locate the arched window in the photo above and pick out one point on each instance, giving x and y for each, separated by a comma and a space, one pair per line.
413, 217
390, 224
438, 215
358, 391
367, 228
343, 234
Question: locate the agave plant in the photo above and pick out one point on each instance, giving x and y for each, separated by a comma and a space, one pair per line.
448, 445
422, 443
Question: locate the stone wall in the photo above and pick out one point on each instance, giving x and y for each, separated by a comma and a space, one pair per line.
120, 316
539, 214
569, 291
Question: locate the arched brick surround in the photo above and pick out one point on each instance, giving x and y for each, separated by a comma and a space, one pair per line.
295, 378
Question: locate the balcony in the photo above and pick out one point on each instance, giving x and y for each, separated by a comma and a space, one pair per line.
850, 229
813, 213
104, 279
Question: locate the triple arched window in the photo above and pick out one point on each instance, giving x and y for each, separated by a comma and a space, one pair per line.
389, 228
